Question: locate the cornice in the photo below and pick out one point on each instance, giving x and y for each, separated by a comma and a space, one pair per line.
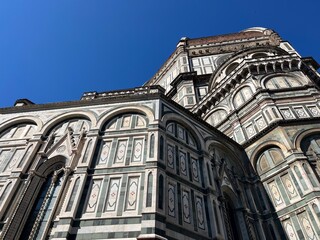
94, 98
232, 42
287, 122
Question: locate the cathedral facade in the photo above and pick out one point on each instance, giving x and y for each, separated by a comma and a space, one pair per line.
223, 142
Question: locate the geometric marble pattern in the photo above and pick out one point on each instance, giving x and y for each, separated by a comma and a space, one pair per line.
126, 121
113, 194
290, 230
195, 171
121, 151
186, 207
4, 155
18, 154
137, 150
292, 192
181, 133
300, 112
132, 193
286, 113
183, 163
314, 111
94, 195
170, 156
105, 152
200, 215
307, 227
275, 193
171, 200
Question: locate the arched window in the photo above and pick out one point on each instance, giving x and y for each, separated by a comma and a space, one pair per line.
23, 130
282, 82
118, 148
232, 224
231, 67
269, 158
181, 133
310, 146
125, 121
259, 55
243, 95
216, 117
40, 216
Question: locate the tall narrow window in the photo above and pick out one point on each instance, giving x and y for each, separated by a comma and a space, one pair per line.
161, 148
151, 150
86, 154
42, 207
306, 169
209, 174
160, 189
316, 210
301, 179
73, 195
149, 190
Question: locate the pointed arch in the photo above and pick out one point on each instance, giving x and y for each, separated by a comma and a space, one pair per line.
46, 187
232, 156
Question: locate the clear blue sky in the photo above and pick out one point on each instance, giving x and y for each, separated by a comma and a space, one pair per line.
54, 50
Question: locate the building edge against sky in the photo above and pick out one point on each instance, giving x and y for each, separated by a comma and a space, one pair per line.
149, 162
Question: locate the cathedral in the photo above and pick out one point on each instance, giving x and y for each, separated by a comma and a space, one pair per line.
223, 142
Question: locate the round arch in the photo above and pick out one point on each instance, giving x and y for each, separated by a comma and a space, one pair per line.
49, 165
132, 109
262, 147
238, 55
212, 111
273, 75
71, 115
174, 117
231, 156
25, 119
226, 190
299, 138
237, 90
